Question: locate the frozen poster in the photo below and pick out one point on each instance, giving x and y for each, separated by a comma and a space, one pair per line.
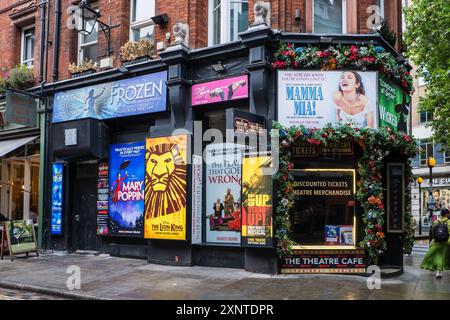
126, 185
128, 97
223, 193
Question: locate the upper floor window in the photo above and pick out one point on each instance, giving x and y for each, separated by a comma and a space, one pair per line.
330, 16
426, 151
447, 155
27, 46
425, 117
226, 19
142, 26
88, 44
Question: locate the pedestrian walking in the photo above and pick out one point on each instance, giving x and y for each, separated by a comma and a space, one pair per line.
438, 255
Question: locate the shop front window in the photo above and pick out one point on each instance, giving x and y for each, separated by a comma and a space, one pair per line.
329, 16
17, 190
227, 18
324, 211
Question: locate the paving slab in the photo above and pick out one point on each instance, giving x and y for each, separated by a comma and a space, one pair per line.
106, 277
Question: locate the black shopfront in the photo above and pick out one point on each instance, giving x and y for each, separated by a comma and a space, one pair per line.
242, 95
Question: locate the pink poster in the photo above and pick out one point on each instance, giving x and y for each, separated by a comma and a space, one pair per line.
220, 90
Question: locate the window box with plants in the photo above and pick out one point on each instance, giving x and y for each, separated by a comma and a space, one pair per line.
136, 51
83, 69
20, 78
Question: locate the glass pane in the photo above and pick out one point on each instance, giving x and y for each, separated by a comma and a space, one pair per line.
423, 117
238, 18
143, 10
323, 212
328, 16
144, 32
34, 196
90, 52
93, 37
17, 178
216, 21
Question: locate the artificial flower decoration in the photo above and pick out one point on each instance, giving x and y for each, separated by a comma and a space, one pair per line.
342, 57
376, 144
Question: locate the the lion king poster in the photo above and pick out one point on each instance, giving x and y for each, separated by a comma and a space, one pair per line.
165, 188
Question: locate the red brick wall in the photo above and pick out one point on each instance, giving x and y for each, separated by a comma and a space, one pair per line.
193, 12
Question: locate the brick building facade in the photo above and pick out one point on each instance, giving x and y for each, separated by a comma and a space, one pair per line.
287, 16
82, 119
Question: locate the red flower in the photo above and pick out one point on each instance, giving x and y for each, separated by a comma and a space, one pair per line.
381, 206
368, 59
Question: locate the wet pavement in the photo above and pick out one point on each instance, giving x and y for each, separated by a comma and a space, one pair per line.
10, 294
106, 277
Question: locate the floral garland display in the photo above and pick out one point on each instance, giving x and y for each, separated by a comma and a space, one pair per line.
376, 145
343, 57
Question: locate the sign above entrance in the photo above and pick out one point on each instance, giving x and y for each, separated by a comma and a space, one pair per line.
128, 97
220, 90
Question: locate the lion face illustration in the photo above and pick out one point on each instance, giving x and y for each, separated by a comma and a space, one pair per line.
165, 188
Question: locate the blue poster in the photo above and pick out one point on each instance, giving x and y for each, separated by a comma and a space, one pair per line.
128, 97
126, 185
331, 234
57, 196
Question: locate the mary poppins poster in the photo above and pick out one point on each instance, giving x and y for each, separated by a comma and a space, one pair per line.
126, 183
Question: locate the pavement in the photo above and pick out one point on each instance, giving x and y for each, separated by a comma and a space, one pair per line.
105, 277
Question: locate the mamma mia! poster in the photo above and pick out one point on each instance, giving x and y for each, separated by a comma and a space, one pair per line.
316, 98
126, 183
223, 193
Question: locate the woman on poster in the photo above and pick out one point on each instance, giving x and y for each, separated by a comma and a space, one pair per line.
351, 101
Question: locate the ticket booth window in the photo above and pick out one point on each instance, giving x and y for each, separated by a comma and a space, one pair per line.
324, 210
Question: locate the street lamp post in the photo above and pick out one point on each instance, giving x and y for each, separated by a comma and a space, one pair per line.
431, 162
419, 181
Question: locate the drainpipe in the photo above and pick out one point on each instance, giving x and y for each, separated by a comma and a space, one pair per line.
56, 41
47, 34
41, 55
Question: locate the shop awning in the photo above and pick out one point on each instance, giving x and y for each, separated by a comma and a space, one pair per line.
10, 145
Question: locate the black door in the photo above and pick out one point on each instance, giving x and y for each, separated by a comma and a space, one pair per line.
85, 207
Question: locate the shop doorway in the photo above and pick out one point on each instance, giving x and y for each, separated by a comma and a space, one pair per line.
85, 207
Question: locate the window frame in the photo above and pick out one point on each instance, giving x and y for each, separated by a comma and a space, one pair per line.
82, 45
23, 46
140, 24
225, 20
447, 155
344, 16
425, 142
428, 117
